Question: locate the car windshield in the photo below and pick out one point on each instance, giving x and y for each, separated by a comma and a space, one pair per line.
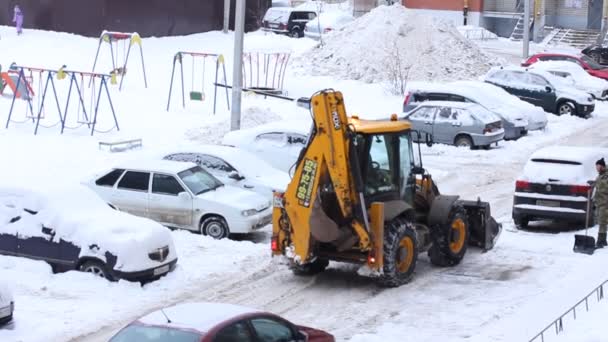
592, 64
146, 333
277, 15
199, 180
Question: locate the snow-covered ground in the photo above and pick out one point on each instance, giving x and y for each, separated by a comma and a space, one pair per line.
507, 294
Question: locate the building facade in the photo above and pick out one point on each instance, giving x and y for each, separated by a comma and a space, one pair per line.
501, 16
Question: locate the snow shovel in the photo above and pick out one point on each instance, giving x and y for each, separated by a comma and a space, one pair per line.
584, 243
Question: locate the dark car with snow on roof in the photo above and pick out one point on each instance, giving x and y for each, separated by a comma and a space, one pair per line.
216, 322
554, 185
287, 20
71, 228
542, 89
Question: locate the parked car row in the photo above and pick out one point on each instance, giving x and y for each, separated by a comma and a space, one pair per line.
298, 23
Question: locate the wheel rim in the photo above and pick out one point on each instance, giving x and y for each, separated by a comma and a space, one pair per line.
215, 230
463, 143
95, 270
565, 109
458, 235
405, 254
295, 34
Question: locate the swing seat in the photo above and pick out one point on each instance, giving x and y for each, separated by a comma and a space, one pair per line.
120, 71
197, 96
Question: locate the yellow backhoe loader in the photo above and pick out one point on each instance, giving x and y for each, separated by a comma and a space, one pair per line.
358, 195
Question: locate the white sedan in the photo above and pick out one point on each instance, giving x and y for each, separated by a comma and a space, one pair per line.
234, 166
574, 75
278, 143
326, 22
182, 195
7, 305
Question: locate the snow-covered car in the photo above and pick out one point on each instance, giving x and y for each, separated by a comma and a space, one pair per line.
216, 322
287, 20
457, 123
71, 228
325, 23
542, 89
517, 116
182, 195
278, 143
554, 184
574, 75
7, 304
234, 166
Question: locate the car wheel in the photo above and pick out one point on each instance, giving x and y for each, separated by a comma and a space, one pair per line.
295, 33
215, 227
566, 108
521, 223
97, 268
463, 141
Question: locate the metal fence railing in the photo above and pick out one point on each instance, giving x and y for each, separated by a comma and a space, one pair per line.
558, 324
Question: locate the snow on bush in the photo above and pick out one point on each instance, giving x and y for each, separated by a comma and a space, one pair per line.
427, 48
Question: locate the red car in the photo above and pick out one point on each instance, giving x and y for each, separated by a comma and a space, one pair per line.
214, 322
591, 66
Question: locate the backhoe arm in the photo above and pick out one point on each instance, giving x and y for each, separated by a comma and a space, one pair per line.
325, 159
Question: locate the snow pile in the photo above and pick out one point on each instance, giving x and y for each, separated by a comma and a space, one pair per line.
369, 47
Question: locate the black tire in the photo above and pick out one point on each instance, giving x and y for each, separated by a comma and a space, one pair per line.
97, 268
450, 242
6, 320
215, 227
309, 269
296, 33
521, 222
463, 141
400, 253
565, 108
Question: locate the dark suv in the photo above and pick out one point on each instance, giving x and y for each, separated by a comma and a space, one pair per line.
287, 20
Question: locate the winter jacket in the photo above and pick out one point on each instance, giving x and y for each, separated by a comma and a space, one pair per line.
601, 190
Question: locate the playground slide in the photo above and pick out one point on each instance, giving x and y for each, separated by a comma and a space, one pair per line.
24, 92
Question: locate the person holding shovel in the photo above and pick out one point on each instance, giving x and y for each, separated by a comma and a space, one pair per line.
600, 198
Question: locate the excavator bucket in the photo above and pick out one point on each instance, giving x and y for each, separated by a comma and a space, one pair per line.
483, 227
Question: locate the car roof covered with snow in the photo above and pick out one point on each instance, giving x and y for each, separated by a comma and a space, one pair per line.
575, 154
201, 317
452, 104
246, 162
246, 135
78, 215
155, 165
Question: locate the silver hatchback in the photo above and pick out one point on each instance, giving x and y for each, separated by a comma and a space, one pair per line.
457, 123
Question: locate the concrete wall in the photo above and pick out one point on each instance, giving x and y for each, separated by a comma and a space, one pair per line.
148, 17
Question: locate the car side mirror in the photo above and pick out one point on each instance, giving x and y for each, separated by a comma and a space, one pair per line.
548, 89
236, 176
184, 196
428, 139
303, 102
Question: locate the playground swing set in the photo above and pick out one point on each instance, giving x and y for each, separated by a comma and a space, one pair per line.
113, 39
195, 94
22, 89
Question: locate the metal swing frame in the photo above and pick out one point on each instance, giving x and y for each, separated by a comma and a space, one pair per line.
114, 37
219, 61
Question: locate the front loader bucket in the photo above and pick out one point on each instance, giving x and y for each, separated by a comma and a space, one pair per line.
484, 230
